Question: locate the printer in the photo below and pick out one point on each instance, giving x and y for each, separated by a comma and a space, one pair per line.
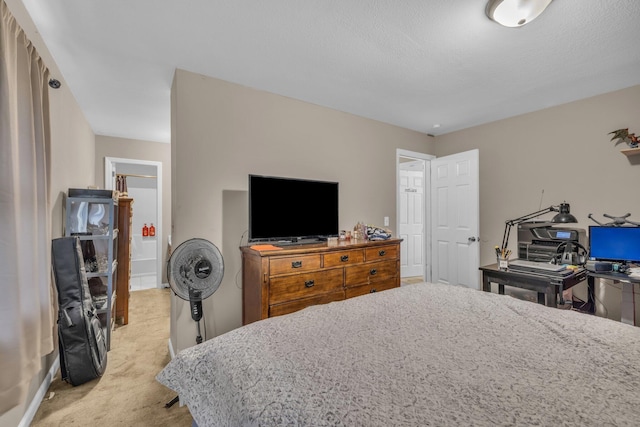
539, 241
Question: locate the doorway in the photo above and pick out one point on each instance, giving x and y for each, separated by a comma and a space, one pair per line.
438, 217
144, 185
412, 205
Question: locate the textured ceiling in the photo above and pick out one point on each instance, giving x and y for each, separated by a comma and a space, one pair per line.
412, 63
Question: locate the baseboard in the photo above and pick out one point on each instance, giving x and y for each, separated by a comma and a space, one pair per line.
31, 411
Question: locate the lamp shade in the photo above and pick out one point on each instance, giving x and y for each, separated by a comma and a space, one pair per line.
515, 13
564, 216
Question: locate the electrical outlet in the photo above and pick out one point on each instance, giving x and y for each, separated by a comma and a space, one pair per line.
386, 221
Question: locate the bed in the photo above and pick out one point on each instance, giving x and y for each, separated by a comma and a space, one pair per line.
419, 355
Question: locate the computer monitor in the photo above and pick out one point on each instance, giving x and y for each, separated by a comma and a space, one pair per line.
618, 244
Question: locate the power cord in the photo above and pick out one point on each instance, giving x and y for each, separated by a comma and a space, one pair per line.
238, 284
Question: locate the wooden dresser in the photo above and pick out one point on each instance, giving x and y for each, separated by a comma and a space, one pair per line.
125, 214
276, 282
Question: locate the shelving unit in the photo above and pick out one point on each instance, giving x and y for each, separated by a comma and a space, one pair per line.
93, 218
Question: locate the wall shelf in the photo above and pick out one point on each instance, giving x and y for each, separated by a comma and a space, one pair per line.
631, 151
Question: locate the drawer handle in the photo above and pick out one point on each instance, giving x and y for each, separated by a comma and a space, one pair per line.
344, 258
382, 253
309, 283
372, 290
373, 271
296, 264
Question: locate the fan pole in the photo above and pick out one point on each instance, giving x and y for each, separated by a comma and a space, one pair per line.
199, 336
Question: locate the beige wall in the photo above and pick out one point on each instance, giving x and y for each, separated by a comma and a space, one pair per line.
72, 154
72, 165
223, 132
140, 150
564, 151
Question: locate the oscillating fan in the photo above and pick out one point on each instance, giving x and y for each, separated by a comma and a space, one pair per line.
195, 270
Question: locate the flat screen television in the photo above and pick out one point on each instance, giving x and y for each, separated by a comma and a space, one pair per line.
292, 210
618, 244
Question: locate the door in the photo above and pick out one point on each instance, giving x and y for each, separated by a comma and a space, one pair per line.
415, 232
411, 220
454, 216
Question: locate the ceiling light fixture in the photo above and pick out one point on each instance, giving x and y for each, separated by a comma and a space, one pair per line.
515, 13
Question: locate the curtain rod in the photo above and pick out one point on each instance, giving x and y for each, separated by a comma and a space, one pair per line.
135, 175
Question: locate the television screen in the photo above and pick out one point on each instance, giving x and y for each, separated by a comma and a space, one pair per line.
614, 243
291, 209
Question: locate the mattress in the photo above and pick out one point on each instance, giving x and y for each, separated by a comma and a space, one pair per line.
418, 355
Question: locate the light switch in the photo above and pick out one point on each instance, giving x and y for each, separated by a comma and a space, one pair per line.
386, 221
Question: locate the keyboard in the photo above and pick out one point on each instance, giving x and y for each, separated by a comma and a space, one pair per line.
522, 264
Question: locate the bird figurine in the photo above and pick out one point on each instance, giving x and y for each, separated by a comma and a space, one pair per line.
623, 135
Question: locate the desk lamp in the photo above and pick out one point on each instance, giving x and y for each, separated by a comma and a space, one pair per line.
563, 216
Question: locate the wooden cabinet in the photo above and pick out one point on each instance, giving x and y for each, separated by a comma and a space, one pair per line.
125, 216
276, 282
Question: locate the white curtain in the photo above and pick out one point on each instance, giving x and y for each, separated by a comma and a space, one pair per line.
27, 306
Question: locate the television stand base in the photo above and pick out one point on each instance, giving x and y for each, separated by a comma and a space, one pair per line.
296, 242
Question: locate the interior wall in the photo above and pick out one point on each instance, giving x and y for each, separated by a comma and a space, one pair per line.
124, 148
565, 151
224, 131
72, 154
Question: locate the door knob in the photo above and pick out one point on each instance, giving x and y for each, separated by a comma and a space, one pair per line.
472, 239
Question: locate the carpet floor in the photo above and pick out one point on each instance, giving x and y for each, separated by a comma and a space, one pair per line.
127, 394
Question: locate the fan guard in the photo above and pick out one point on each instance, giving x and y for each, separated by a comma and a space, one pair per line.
196, 267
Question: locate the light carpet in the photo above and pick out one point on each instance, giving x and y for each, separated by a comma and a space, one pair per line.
128, 393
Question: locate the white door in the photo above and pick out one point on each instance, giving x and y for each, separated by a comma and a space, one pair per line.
455, 212
411, 220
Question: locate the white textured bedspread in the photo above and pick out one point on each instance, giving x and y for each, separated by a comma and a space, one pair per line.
419, 355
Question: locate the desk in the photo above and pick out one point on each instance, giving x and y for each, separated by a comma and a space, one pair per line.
547, 286
627, 305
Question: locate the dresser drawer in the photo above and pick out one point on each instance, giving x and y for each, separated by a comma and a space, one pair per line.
370, 272
290, 307
372, 287
292, 287
293, 264
337, 259
381, 252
